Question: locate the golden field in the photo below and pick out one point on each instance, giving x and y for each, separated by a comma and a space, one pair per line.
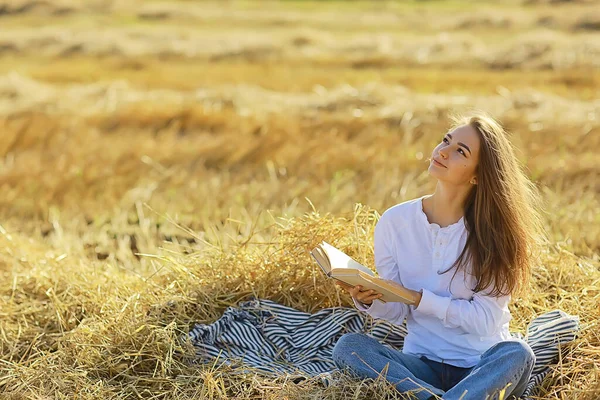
161, 161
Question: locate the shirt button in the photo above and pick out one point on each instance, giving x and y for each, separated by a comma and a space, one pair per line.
437, 254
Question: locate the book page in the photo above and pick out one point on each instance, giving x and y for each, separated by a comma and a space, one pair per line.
321, 258
339, 259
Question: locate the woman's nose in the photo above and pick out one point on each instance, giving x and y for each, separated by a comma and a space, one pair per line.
442, 153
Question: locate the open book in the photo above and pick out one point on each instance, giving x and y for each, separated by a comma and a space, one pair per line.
338, 265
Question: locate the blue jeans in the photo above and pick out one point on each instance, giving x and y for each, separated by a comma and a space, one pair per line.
505, 366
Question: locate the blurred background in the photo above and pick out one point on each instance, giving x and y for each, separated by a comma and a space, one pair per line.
215, 112
135, 130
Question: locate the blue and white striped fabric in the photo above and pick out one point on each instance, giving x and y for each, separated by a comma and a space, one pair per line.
276, 339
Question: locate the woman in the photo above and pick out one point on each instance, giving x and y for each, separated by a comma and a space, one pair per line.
465, 249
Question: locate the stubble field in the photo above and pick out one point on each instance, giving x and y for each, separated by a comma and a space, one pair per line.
161, 161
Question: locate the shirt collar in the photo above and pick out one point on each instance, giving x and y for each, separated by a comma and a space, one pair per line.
432, 226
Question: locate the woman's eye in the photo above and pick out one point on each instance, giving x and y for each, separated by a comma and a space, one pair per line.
445, 140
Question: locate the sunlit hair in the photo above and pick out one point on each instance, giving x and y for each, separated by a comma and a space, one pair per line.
502, 213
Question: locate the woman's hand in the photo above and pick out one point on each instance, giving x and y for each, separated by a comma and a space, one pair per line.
363, 296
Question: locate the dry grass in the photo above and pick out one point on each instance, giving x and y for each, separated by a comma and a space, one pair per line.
158, 173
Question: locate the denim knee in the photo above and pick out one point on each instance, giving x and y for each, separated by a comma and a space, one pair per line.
346, 345
521, 351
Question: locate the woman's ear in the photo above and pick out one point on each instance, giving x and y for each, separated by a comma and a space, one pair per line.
473, 181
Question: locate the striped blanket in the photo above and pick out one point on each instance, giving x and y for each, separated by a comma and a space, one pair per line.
276, 339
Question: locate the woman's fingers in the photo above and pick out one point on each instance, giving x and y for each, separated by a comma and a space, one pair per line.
373, 297
353, 290
368, 296
364, 296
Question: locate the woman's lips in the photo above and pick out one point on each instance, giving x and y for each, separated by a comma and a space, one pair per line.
437, 163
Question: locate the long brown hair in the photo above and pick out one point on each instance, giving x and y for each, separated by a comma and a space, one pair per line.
502, 213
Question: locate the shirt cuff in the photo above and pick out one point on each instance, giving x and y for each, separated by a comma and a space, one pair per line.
433, 304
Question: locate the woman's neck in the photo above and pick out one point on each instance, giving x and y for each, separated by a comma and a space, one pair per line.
443, 207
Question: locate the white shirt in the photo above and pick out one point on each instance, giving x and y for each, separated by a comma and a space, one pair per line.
453, 324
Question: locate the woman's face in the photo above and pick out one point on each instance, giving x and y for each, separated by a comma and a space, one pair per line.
458, 153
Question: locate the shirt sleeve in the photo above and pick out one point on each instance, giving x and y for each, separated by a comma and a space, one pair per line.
394, 312
483, 315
